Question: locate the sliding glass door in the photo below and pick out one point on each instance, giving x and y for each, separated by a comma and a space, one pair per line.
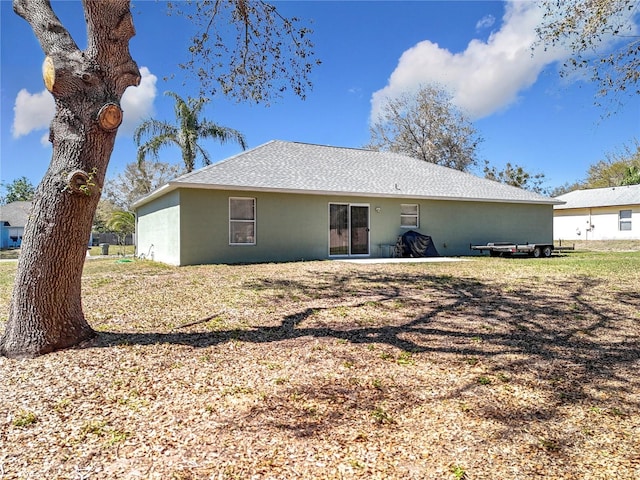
348, 229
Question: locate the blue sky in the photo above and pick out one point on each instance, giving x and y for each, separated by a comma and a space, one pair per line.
370, 50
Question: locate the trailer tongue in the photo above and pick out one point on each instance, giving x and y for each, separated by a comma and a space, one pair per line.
497, 249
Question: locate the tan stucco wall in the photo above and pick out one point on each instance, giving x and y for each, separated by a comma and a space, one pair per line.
295, 227
285, 230
459, 224
598, 223
158, 229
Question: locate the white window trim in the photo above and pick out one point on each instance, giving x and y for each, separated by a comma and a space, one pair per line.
416, 216
625, 220
243, 221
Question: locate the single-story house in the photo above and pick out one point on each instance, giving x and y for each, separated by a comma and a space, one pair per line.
285, 201
13, 218
598, 214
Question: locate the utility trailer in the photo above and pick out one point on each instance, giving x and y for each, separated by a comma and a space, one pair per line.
507, 249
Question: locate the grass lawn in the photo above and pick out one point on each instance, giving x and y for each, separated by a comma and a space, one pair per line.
120, 250
494, 368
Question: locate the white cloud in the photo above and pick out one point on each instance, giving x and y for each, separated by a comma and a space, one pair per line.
484, 78
485, 22
34, 111
137, 102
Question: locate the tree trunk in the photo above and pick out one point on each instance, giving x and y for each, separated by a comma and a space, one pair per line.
46, 308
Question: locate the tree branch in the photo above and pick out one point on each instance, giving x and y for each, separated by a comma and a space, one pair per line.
46, 26
109, 29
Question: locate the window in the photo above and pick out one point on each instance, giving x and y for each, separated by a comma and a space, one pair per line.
409, 215
242, 221
625, 220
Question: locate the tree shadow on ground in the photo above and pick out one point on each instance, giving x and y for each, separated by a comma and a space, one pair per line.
549, 322
563, 333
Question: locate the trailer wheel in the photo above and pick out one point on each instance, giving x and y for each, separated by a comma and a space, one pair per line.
493, 253
537, 252
547, 251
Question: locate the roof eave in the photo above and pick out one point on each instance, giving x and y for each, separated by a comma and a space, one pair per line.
157, 193
244, 188
607, 205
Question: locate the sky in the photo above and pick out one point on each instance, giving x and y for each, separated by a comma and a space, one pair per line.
370, 51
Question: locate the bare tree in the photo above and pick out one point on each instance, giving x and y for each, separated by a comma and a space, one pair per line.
428, 126
258, 68
138, 179
46, 309
517, 176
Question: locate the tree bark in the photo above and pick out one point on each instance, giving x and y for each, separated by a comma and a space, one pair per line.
46, 311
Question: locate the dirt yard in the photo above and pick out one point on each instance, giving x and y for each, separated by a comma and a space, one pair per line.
487, 369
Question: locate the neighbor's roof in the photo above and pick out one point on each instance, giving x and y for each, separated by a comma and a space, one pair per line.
292, 167
601, 197
15, 213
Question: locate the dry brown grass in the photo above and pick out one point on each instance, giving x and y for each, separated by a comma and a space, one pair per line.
495, 368
604, 245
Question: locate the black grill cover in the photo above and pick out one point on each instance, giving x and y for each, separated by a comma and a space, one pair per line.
415, 244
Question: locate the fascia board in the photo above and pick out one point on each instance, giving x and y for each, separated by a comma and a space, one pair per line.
243, 188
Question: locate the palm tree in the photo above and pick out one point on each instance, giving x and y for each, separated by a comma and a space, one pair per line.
631, 176
122, 223
186, 133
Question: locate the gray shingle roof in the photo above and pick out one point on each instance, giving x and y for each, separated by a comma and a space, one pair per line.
15, 213
305, 168
601, 197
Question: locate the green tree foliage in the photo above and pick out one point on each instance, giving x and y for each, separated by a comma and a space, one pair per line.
247, 50
137, 180
602, 36
21, 189
632, 176
517, 176
618, 168
186, 133
103, 213
122, 223
605, 173
428, 126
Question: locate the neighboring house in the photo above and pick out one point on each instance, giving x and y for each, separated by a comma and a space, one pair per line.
13, 218
286, 201
598, 214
